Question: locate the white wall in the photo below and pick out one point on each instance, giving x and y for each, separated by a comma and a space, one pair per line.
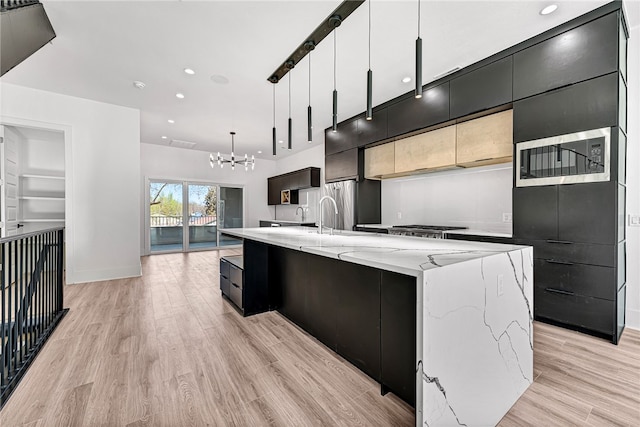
474, 197
633, 172
162, 162
103, 175
312, 157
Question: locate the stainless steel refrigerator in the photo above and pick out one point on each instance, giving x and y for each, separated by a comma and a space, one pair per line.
344, 193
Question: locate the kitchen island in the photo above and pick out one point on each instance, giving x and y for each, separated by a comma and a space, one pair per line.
470, 305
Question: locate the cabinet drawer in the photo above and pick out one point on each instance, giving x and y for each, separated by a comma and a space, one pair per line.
225, 285
586, 280
235, 294
224, 268
585, 312
236, 276
578, 253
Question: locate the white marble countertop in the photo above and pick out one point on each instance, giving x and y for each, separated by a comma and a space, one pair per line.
284, 221
467, 231
401, 254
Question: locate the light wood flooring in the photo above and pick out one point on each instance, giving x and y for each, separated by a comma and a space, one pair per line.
166, 350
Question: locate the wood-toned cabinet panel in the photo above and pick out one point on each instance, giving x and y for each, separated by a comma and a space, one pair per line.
485, 140
431, 150
379, 161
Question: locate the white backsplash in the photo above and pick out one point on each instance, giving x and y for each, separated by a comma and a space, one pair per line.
476, 198
308, 199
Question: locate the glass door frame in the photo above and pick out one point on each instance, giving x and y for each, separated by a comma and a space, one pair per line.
185, 214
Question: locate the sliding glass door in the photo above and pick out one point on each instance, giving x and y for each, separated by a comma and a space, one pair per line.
177, 226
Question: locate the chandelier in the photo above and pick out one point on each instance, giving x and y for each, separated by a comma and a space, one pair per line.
221, 160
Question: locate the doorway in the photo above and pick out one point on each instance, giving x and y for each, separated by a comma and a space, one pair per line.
187, 216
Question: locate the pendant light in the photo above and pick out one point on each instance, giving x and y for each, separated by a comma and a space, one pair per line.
369, 114
310, 46
289, 123
418, 92
334, 126
274, 120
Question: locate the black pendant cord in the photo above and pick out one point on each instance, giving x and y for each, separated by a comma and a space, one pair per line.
274, 120
309, 123
334, 127
289, 130
418, 91
369, 114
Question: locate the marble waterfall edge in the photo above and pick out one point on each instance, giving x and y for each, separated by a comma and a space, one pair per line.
477, 346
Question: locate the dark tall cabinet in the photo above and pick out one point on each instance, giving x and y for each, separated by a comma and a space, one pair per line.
577, 230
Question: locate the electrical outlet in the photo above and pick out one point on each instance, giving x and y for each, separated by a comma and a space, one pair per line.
500, 284
506, 217
399, 215
634, 220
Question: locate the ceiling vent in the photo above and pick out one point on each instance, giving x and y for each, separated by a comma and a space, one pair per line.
25, 28
182, 144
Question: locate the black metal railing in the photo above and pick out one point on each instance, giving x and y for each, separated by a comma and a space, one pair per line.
31, 280
14, 4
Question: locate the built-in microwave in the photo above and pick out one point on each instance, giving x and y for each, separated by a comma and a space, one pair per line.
564, 159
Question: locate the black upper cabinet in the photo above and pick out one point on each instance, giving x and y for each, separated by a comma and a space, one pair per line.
481, 89
303, 178
588, 105
372, 130
535, 213
273, 190
341, 166
412, 114
588, 51
344, 138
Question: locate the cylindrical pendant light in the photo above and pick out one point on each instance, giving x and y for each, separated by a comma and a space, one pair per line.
418, 92
274, 121
309, 121
369, 114
289, 143
334, 127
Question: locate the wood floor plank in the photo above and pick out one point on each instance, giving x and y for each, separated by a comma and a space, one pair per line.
166, 349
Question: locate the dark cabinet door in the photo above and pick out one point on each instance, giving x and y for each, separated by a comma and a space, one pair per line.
372, 130
344, 138
588, 105
481, 89
322, 299
581, 279
368, 202
588, 51
273, 191
358, 315
288, 269
256, 277
412, 114
587, 213
535, 213
398, 334
340, 166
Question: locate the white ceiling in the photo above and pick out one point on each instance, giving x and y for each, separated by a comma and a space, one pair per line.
103, 46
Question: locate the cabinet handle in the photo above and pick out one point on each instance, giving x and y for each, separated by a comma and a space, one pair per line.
562, 242
235, 285
554, 261
559, 291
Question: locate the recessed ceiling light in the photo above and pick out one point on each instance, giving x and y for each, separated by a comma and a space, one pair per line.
220, 79
171, 121
138, 84
280, 142
163, 137
259, 151
406, 79
549, 9
189, 71
180, 95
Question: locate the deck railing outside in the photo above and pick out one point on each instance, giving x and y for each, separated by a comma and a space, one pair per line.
31, 281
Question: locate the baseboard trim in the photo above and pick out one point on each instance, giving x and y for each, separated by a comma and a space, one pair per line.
84, 276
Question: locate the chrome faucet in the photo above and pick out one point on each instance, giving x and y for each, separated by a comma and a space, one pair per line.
320, 216
304, 211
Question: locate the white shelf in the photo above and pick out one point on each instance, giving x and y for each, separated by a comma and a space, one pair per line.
39, 176
43, 220
61, 198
